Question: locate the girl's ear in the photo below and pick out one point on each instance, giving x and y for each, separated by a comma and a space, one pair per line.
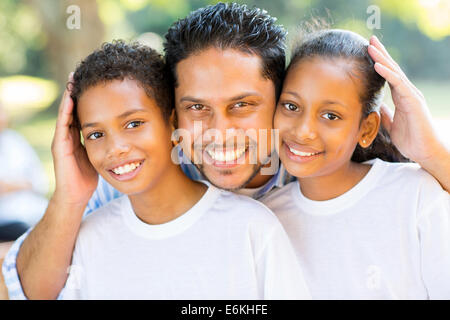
369, 129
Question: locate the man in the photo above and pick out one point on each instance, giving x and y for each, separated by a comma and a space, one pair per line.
228, 63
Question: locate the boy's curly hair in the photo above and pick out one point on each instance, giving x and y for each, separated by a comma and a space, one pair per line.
118, 60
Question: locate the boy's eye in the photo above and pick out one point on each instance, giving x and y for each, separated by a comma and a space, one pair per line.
197, 107
331, 116
95, 135
134, 124
290, 107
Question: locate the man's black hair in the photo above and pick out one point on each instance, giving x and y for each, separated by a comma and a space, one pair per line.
229, 26
118, 60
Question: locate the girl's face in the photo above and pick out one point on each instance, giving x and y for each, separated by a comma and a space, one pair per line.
126, 137
318, 117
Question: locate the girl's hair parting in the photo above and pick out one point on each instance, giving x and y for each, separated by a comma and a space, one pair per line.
318, 41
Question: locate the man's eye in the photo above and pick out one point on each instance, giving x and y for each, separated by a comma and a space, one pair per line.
134, 124
240, 104
290, 106
197, 107
95, 135
331, 116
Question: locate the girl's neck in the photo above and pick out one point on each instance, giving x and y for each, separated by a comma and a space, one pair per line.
168, 198
335, 184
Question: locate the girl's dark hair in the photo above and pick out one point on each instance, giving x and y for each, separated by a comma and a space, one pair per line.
342, 44
118, 60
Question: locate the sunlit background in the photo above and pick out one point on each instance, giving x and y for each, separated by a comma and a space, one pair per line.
37, 50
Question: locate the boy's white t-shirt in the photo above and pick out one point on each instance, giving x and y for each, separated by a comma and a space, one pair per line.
226, 246
386, 238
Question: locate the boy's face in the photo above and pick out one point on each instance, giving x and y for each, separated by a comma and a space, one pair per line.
126, 137
225, 90
318, 116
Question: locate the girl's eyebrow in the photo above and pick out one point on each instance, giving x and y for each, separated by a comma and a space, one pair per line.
123, 115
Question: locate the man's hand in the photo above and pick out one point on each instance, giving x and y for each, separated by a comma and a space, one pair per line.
411, 128
76, 179
46, 253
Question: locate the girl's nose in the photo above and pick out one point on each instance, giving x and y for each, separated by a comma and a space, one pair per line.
117, 148
305, 129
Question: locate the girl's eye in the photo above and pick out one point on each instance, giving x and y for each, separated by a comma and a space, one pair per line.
197, 107
290, 107
95, 136
331, 116
134, 124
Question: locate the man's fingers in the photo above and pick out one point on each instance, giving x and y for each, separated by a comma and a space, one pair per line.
387, 117
377, 44
377, 56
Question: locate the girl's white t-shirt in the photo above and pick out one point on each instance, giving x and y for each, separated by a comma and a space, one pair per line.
386, 238
226, 246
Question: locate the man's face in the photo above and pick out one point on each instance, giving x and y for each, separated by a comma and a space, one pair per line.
225, 91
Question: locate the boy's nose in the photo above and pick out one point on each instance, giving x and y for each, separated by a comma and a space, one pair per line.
118, 148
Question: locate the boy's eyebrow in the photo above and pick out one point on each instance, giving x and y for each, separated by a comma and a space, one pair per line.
238, 97
123, 115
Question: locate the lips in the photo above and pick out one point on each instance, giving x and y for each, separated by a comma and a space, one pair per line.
126, 170
301, 153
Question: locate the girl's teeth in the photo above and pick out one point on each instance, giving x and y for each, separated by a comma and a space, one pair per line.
302, 154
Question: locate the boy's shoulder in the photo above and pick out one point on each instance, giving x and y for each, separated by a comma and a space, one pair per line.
105, 216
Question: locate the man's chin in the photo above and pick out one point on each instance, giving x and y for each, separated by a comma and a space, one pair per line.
231, 180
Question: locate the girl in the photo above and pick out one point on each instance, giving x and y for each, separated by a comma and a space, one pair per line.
363, 228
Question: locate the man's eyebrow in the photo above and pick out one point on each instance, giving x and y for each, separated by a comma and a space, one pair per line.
123, 115
238, 97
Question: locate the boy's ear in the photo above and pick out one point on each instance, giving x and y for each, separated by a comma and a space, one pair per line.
369, 129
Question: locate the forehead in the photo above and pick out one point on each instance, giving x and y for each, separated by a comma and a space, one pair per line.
324, 77
112, 98
220, 73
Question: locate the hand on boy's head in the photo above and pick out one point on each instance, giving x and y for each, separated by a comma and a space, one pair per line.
76, 179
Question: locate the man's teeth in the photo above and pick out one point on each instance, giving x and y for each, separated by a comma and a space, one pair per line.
227, 156
302, 154
126, 168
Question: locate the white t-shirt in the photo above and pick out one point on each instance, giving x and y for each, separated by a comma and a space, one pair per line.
225, 247
386, 238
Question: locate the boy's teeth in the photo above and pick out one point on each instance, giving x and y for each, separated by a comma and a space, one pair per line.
126, 168
302, 154
226, 156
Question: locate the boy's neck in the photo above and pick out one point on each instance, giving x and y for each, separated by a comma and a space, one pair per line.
170, 197
335, 184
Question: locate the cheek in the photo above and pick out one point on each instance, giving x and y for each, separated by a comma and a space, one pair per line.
341, 140
95, 153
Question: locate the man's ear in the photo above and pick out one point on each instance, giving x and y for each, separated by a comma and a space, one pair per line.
173, 122
369, 129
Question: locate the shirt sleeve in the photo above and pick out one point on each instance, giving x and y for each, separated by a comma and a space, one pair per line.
278, 270
102, 195
434, 234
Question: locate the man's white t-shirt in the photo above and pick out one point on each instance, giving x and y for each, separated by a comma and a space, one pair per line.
386, 238
226, 246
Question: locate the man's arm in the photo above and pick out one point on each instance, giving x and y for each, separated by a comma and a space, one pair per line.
411, 127
45, 255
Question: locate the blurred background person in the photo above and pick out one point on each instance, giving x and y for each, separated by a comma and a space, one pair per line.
23, 183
